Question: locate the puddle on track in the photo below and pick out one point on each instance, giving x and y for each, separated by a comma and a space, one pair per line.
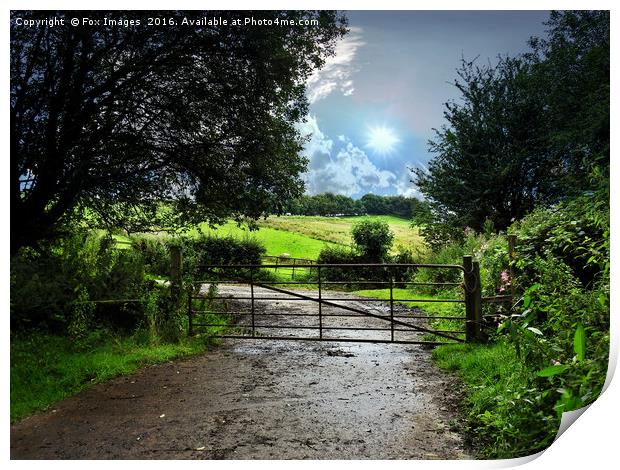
260, 399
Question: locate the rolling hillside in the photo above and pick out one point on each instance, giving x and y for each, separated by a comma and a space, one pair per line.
305, 236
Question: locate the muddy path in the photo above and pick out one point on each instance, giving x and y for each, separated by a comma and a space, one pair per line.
261, 399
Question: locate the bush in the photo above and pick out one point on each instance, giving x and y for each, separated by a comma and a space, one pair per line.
338, 255
490, 250
450, 254
373, 240
46, 287
211, 250
197, 252
558, 330
228, 250
155, 253
439, 233
562, 269
576, 233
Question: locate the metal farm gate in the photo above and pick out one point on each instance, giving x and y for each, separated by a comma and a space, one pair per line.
239, 301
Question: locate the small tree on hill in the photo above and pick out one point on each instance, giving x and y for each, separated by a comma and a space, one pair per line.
373, 239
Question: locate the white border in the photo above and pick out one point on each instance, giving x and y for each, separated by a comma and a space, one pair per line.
591, 442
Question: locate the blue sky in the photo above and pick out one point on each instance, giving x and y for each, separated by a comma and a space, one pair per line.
375, 103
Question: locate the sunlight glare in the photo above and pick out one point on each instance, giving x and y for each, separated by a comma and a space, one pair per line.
382, 140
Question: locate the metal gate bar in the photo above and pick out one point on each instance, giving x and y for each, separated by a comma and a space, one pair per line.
337, 299
470, 284
339, 340
295, 327
327, 315
362, 312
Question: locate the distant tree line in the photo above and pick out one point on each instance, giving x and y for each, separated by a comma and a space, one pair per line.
329, 204
529, 131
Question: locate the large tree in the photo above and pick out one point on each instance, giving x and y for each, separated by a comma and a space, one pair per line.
112, 121
490, 158
572, 65
529, 130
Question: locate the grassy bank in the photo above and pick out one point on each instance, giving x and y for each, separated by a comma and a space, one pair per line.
46, 368
503, 404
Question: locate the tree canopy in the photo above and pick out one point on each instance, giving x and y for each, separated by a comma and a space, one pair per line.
373, 239
527, 131
329, 204
111, 121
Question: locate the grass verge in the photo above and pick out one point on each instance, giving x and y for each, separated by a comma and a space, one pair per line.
504, 404
46, 368
504, 410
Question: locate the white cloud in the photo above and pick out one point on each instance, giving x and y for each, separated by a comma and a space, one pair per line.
405, 187
337, 70
318, 148
349, 172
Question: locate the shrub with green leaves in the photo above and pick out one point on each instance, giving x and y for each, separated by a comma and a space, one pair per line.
557, 334
197, 252
373, 239
559, 328
155, 253
46, 285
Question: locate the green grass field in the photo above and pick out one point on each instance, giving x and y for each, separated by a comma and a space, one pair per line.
338, 229
305, 237
298, 245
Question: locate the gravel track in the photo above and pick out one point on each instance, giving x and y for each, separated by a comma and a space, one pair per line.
264, 399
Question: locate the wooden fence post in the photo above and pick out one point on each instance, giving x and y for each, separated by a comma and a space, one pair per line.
512, 241
252, 302
391, 307
176, 276
468, 284
320, 304
473, 299
477, 301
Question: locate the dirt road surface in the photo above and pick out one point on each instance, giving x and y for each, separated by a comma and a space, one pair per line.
260, 399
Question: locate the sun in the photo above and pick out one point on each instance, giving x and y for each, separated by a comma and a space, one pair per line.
382, 140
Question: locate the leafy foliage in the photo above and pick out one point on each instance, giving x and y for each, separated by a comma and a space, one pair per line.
556, 334
372, 242
373, 239
558, 331
197, 252
50, 287
563, 270
114, 121
527, 131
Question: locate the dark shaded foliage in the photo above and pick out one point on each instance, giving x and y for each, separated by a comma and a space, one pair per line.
528, 131
113, 121
329, 204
